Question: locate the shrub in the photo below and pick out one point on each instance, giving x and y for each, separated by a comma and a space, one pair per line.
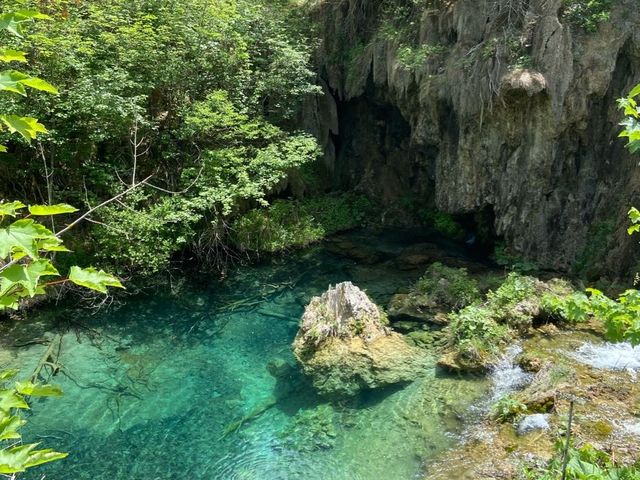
474, 329
412, 58
586, 462
292, 223
587, 14
444, 223
450, 287
508, 409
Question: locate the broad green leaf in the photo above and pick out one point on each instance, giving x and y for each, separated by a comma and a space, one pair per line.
9, 301
23, 236
10, 399
26, 126
633, 229
32, 390
10, 208
26, 276
8, 374
18, 459
8, 55
10, 80
15, 81
3, 148
634, 215
52, 245
39, 84
93, 279
13, 21
635, 91
46, 210
9, 426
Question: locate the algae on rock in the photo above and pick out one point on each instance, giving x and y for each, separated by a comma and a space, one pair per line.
345, 346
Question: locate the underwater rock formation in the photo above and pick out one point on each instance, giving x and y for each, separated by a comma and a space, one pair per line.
344, 345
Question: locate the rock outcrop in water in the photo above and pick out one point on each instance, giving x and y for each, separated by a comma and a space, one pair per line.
344, 345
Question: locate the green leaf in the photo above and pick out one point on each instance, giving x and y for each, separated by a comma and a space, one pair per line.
18, 459
39, 84
93, 279
26, 276
46, 210
3, 149
26, 126
9, 426
13, 21
52, 245
10, 208
33, 390
8, 55
633, 229
10, 80
8, 374
23, 236
10, 399
635, 91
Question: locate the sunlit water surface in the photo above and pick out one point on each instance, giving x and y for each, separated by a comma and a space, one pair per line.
156, 388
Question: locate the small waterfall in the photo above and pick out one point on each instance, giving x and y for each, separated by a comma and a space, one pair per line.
507, 376
609, 356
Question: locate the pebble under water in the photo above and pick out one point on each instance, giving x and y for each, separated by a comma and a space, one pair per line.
158, 387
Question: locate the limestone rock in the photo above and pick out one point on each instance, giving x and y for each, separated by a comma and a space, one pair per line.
467, 132
344, 344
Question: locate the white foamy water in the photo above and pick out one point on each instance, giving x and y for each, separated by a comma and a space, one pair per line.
507, 376
609, 356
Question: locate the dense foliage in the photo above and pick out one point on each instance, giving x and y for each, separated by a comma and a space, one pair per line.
17, 457
201, 96
584, 463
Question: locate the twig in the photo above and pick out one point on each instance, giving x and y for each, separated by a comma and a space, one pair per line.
106, 202
565, 454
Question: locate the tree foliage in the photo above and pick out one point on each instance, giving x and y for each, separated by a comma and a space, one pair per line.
211, 89
15, 456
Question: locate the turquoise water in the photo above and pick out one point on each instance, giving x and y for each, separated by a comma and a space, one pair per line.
156, 387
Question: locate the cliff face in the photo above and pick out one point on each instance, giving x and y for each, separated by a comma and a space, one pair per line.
506, 107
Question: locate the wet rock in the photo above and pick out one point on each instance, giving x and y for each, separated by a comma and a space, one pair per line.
458, 362
418, 256
357, 252
534, 422
541, 395
414, 307
530, 363
344, 345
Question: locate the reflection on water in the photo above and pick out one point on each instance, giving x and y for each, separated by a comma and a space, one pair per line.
197, 381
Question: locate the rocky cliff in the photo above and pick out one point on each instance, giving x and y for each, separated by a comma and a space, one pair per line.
503, 111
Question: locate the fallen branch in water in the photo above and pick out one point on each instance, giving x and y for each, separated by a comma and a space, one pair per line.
49, 359
235, 426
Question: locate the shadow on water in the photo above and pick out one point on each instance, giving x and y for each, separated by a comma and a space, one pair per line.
197, 380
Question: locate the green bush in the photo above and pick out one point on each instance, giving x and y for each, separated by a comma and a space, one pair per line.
587, 14
444, 223
450, 287
292, 223
505, 258
585, 463
412, 58
474, 327
508, 409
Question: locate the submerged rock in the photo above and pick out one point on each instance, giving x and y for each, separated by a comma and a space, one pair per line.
344, 344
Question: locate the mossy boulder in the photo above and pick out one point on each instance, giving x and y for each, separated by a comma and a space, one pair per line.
344, 345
